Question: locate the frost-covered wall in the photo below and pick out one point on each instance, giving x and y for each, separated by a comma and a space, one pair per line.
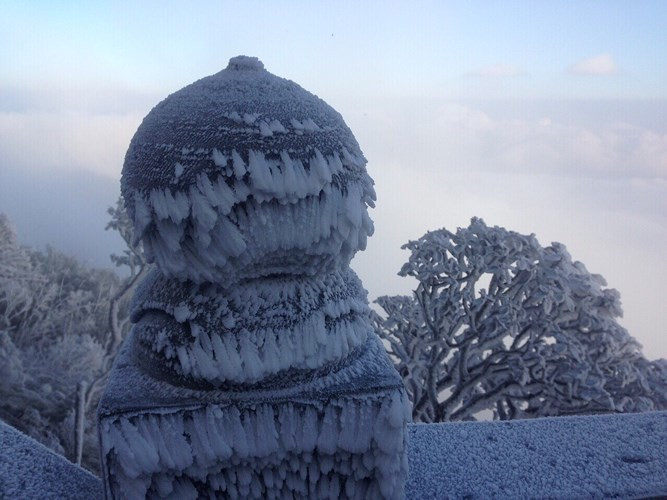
252, 369
605, 456
591, 457
31, 471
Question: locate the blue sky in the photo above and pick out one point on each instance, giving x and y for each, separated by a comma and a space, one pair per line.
403, 47
540, 116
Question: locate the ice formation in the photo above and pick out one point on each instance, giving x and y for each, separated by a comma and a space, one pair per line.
252, 369
242, 175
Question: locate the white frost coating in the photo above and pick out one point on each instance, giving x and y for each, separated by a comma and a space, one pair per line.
239, 165
296, 207
265, 129
310, 126
276, 126
350, 447
257, 330
253, 369
218, 158
250, 118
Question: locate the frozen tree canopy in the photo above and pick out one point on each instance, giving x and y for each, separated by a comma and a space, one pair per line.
253, 369
498, 322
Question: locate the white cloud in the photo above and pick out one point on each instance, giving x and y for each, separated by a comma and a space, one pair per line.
84, 128
75, 140
598, 186
460, 136
601, 65
496, 71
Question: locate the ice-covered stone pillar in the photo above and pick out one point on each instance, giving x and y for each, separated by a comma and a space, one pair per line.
252, 369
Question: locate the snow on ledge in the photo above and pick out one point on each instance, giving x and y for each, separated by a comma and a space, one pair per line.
605, 456
29, 470
619, 456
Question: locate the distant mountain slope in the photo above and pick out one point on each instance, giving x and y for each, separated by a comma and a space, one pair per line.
66, 210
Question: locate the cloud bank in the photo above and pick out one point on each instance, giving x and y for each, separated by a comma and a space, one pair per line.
598, 185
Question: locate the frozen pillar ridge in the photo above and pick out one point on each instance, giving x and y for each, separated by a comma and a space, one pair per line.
252, 369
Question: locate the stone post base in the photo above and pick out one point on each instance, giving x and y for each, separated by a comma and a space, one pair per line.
338, 433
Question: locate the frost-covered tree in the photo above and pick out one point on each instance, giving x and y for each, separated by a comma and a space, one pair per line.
47, 337
498, 322
16, 276
61, 324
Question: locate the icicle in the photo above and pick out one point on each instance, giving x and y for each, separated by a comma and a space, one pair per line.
350, 487
184, 359
239, 165
218, 158
232, 423
164, 484
159, 204
264, 129
144, 453
199, 440
171, 234
202, 365
151, 433
217, 482
216, 433
260, 174
178, 205
252, 366
319, 165
327, 439
225, 196
276, 126
234, 242
288, 427
323, 483
267, 435
171, 426
297, 125
309, 429
184, 489
310, 126
353, 206
348, 417
142, 217
231, 347
300, 179
202, 211
335, 165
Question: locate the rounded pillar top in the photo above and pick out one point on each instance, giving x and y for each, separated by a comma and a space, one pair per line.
244, 138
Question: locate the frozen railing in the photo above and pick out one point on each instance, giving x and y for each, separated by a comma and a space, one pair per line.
605, 456
609, 456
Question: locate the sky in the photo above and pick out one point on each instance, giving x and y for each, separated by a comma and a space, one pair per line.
543, 117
